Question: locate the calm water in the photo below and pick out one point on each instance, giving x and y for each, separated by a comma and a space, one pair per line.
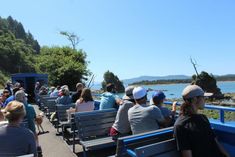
174, 90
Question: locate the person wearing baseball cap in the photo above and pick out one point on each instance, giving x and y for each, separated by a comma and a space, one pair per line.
121, 126
143, 117
158, 98
192, 131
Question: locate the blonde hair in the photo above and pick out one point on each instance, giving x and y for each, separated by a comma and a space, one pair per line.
14, 110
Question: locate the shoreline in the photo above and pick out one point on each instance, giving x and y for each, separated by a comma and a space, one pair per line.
171, 83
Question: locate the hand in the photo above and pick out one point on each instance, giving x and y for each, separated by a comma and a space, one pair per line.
174, 104
119, 101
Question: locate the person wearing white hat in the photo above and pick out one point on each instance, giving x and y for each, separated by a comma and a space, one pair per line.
192, 131
143, 117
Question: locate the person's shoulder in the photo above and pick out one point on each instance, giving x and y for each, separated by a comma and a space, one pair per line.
28, 133
202, 117
153, 108
182, 120
78, 102
29, 106
128, 103
165, 109
132, 109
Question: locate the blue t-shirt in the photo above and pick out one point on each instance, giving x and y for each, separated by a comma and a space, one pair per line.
11, 98
30, 115
165, 111
108, 100
64, 100
16, 141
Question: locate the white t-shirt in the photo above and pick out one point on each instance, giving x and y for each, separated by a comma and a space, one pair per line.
84, 106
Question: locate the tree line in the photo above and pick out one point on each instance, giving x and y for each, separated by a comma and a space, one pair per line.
21, 53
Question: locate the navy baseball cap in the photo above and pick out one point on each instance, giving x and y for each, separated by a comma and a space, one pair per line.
158, 95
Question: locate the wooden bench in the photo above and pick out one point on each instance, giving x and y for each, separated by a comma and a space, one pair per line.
45, 102
49, 106
93, 129
166, 148
135, 141
62, 116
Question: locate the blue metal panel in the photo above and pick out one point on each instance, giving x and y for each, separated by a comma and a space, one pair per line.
126, 141
131, 153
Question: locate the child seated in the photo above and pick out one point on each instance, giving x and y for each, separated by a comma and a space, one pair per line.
158, 98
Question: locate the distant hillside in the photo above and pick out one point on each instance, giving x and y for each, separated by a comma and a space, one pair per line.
152, 78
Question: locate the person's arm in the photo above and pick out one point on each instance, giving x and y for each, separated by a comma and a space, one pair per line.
173, 108
157, 114
186, 153
222, 148
119, 101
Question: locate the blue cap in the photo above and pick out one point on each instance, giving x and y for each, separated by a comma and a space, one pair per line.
158, 95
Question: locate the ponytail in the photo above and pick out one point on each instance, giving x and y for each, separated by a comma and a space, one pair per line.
186, 108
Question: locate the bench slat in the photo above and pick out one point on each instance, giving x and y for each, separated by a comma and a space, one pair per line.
156, 149
135, 141
93, 128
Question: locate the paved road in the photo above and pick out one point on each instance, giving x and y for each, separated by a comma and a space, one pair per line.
52, 145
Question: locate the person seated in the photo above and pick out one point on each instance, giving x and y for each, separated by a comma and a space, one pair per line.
55, 93
64, 98
84, 104
158, 98
16, 140
192, 130
30, 112
43, 91
109, 99
121, 126
143, 117
51, 89
76, 96
5, 94
9, 87
12, 97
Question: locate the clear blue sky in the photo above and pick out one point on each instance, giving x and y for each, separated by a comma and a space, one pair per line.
137, 37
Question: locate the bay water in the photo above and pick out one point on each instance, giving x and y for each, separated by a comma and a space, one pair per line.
174, 90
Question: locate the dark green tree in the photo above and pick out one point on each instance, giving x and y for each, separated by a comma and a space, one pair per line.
64, 65
207, 83
109, 77
17, 29
16, 56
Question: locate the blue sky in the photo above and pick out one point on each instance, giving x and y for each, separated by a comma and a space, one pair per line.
137, 37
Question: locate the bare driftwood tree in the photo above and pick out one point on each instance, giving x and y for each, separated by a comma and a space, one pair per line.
194, 66
73, 38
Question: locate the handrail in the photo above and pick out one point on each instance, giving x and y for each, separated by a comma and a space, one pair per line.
212, 107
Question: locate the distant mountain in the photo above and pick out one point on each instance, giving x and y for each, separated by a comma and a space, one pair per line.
152, 78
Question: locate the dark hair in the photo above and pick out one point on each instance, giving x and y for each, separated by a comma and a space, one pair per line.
86, 95
5, 91
15, 90
110, 87
186, 108
157, 100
